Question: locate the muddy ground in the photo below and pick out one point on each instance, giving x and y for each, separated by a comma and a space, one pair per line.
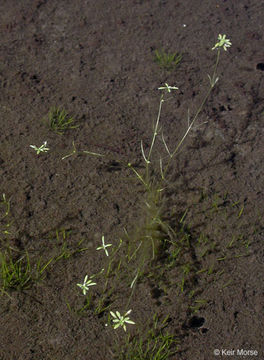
96, 60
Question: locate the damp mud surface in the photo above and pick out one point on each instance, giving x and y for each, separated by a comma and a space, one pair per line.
96, 60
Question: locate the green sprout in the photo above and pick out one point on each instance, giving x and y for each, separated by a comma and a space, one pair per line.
19, 274
6, 203
85, 285
120, 320
167, 61
15, 274
103, 247
60, 121
40, 149
223, 42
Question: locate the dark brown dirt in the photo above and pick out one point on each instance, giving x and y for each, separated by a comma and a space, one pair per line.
95, 59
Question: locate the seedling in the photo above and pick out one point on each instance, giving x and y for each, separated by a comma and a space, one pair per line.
19, 274
150, 342
15, 274
60, 120
66, 250
167, 61
6, 204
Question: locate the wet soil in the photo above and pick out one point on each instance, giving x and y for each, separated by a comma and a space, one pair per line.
96, 60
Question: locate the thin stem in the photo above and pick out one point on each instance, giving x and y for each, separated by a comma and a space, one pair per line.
139, 176
154, 137
195, 117
156, 127
216, 64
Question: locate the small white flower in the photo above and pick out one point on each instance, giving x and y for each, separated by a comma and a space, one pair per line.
86, 284
40, 149
223, 42
120, 320
168, 88
103, 247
